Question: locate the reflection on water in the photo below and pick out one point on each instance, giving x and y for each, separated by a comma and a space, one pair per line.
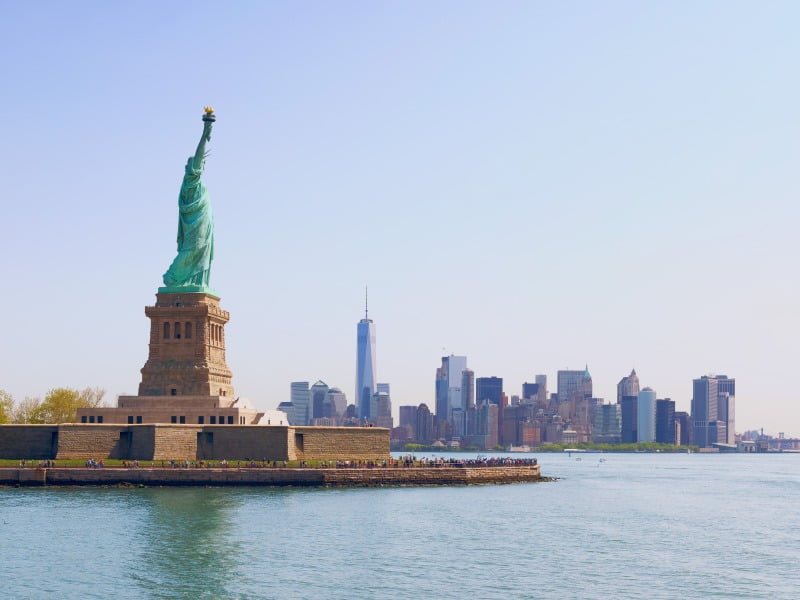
186, 536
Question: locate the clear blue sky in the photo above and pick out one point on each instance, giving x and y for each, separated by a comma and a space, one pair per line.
534, 185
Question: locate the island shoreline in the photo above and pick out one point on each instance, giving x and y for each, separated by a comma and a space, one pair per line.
270, 477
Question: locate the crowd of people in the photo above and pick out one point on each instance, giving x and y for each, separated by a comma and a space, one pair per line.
480, 461
408, 461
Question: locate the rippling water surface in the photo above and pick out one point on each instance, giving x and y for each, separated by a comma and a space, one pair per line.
627, 526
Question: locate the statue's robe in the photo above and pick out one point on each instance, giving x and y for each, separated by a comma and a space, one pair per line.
192, 265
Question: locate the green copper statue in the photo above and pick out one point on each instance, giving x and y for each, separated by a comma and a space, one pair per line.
190, 270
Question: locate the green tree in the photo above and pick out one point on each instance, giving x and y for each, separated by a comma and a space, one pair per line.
6, 407
27, 411
61, 405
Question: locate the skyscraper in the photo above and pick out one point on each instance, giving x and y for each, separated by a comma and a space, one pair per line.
449, 382
382, 410
489, 388
408, 416
301, 399
683, 429
424, 428
541, 381
530, 391
607, 426
713, 414
628, 386
570, 383
630, 419
468, 388
665, 421
319, 396
335, 404
365, 364
646, 416
726, 406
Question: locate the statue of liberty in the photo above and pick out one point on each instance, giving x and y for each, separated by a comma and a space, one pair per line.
190, 270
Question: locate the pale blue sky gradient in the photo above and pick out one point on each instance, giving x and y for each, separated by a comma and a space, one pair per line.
535, 185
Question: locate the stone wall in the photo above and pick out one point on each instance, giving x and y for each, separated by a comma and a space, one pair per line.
143, 442
175, 441
28, 441
204, 442
340, 443
269, 442
91, 441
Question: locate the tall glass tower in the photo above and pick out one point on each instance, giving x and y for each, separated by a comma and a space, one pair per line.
365, 364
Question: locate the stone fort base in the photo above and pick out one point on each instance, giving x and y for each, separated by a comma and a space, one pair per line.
190, 410
193, 442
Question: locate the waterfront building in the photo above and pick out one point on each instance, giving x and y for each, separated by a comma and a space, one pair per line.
725, 414
646, 416
665, 421
713, 413
628, 386
726, 400
607, 426
365, 364
683, 428
630, 418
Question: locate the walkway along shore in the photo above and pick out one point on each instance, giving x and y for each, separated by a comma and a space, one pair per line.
449, 474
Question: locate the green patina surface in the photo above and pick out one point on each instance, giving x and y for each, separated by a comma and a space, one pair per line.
191, 268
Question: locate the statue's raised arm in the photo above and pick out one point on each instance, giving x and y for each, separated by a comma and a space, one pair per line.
190, 270
208, 121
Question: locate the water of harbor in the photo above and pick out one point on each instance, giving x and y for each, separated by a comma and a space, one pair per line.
612, 526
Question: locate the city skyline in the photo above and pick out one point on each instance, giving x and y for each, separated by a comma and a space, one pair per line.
535, 187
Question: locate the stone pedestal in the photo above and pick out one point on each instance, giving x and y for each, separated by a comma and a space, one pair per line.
185, 379
187, 347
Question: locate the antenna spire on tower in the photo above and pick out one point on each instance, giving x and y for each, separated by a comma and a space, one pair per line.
366, 302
